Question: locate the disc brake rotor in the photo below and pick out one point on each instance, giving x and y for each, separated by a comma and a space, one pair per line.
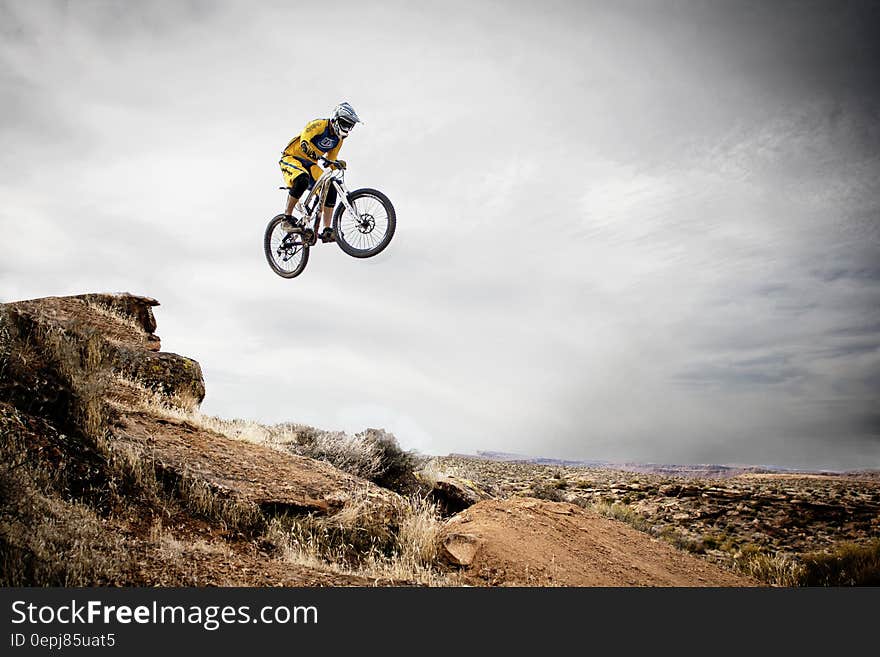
366, 224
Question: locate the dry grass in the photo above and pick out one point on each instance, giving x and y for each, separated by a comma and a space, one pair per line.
141, 397
183, 555
80, 362
779, 569
348, 453
140, 472
404, 552
115, 315
5, 342
353, 541
45, 540
372, 454
220, 506
172, 548
129, 469
621, 512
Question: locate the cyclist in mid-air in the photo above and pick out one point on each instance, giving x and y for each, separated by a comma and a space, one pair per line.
320, 138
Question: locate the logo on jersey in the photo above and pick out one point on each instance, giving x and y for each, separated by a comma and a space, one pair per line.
326, 143
304, 146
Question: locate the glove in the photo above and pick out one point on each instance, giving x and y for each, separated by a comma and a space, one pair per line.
340, 164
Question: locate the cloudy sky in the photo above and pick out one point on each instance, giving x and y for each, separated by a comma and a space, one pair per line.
626, 230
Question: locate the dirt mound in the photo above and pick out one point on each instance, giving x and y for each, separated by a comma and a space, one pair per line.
531, 542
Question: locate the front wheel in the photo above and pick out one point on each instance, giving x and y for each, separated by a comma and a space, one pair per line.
371, 231
286, 252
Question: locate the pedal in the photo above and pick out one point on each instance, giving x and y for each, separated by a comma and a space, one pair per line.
290, 227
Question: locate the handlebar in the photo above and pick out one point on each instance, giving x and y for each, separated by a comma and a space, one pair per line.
329, 162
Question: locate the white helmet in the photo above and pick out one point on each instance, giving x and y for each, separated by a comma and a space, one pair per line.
343, 119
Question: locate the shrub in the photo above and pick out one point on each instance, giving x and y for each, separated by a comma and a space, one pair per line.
396, 465
846, 564
547, 492
373, 454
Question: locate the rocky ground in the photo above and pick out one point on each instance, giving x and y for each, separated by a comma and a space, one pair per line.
718, 517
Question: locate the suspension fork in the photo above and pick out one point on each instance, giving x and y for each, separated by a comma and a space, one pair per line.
343, 195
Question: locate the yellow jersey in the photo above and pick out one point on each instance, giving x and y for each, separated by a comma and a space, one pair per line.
302, 152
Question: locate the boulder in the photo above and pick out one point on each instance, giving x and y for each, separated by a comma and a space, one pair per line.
460, 549
170, 374
450, 492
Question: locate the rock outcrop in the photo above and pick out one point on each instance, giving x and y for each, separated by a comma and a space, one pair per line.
63, 349
109, 474
117, 328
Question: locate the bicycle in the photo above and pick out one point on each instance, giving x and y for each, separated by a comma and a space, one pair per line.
364, 221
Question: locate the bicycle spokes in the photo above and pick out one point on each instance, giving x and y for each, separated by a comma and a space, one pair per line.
366, 230
365, 223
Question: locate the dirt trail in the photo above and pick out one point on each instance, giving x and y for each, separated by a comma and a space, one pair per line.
531, 542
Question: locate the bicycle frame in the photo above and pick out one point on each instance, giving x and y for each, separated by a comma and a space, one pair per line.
318, 195
287, 237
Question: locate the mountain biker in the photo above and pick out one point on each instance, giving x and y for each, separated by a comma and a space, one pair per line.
320, 138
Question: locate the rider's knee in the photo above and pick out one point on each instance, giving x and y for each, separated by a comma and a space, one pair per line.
299, 185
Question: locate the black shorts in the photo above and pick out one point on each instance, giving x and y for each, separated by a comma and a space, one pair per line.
303, 181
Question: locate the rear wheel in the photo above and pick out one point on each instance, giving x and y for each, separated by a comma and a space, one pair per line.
371, 231
286, 252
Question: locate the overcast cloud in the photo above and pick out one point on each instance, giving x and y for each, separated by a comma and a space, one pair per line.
626, 230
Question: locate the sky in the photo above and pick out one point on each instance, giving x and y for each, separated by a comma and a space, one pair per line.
630, 231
